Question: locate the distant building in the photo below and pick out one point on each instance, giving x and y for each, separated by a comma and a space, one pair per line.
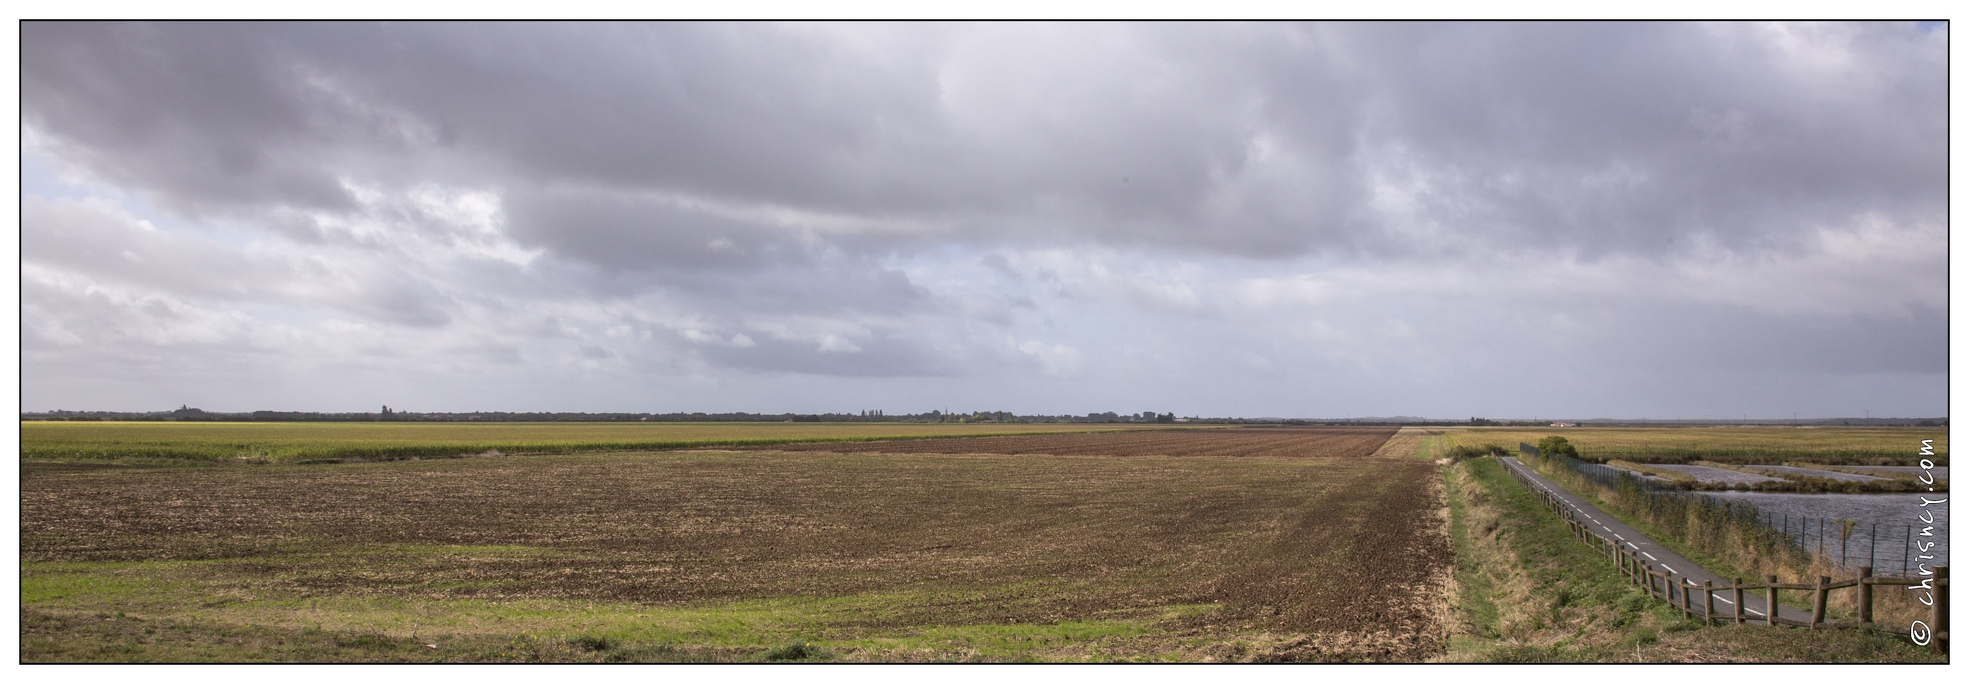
1565, 424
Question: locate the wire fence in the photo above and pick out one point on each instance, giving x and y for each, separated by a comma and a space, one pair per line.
1845, 543
1665, 585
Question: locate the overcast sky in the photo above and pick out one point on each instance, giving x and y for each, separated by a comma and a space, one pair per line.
1448, 220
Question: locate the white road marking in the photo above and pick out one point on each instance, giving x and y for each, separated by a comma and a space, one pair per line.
1632, 546
1752, 612
1604, 527
1664, 566
1650, 556
1617, 536
1719, 598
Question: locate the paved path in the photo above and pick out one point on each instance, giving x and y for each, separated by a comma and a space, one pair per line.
1653, 554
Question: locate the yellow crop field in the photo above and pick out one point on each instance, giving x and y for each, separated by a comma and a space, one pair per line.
198, 441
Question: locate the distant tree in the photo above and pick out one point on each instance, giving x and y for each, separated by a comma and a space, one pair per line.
1556, 445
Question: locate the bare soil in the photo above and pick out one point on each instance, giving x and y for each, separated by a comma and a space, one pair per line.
1309, 547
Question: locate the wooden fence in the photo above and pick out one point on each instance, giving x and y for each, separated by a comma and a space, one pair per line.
1698, 601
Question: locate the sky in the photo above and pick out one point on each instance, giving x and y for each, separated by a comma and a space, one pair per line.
1629, 220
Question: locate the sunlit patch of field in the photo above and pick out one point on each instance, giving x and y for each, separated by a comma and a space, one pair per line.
200, 442
1728, 444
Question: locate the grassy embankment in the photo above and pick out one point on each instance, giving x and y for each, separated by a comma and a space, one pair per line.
1527, 591
169, 443
1727, 541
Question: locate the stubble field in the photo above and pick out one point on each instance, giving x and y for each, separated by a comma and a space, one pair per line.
1303, 544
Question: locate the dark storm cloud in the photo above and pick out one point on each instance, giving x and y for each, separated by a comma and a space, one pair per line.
197, 113
1040, 130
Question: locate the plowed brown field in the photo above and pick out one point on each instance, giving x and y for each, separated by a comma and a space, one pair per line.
1265, 544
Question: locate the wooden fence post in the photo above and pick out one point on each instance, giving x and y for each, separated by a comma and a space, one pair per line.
1818, 601
1737, 587
1708, 603
1866, 595
1938, 613
1771, 600
1686, 610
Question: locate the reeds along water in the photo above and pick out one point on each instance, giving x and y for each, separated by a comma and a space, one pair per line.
1856, 542
1729, 531
1852, 536
1738, 534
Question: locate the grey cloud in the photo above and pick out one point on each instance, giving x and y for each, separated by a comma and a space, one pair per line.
742, 113
99, 239
999, 263
402, 300
881, 355
849, 289
897, 180
197, 113
594, 352
1254, 140
503, 354
1719, 338
626, 232
1625, 137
